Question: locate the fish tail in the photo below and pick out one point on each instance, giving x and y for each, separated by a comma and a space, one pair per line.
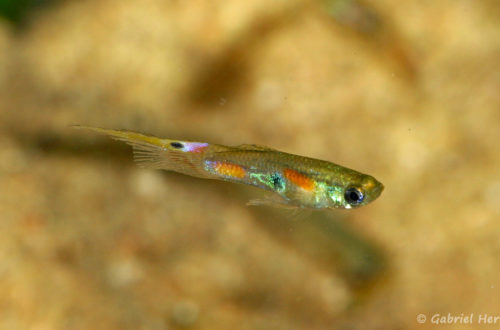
166, 154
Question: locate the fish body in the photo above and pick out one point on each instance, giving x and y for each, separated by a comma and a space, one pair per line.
296, 181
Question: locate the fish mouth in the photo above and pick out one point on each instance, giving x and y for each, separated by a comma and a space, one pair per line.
373, 188
377, 190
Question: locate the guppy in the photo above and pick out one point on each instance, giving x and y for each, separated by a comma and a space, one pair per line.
296, 181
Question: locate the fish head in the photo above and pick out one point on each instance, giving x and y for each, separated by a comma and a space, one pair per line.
357, 191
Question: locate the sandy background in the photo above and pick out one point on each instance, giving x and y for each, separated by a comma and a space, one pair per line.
406, 91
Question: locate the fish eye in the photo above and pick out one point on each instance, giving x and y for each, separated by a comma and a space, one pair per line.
353, 196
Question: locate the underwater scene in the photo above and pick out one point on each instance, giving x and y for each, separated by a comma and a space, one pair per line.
303, 164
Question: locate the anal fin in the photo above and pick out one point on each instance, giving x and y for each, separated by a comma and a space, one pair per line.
272, 200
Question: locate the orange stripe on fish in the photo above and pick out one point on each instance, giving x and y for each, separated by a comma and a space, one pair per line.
299, 179
228, 169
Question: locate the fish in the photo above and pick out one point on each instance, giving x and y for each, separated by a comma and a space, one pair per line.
294, 181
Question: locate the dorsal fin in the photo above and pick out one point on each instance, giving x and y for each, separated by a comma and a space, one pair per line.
255, 147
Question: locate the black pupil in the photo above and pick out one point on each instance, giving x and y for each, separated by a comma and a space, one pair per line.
353, 196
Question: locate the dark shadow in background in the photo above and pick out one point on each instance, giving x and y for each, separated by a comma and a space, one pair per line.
18, 11
225, 75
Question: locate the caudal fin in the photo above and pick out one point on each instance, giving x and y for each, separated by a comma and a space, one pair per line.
152, 152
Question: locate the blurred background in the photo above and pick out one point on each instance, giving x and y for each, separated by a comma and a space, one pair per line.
406, 91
